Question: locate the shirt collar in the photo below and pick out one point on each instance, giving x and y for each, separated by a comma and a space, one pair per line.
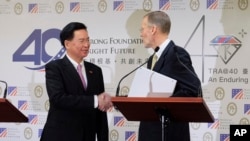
162, 47
75, 64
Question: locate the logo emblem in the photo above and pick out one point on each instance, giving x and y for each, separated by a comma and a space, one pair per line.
195, 126
165, 5
38, 91
147, 5
75, 7
130, 135
18, 8
247, 109
124, 91
59, 7
3, 132
114, 135
224, 137
243, 4
231, 108
33, 8
212, 4
244, 121
219, 93
119, 121
207, 137
28, 133
226, 46
102, 6
214, 125
237, 93
46, 105
118, 5
194, 5
40, 56
23, 105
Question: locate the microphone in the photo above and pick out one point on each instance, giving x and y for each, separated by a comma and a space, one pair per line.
199, 88
118, 86
5, 91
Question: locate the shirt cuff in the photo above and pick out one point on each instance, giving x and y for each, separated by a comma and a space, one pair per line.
96, 101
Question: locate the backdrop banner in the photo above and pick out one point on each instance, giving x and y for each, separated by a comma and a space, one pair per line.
214, 32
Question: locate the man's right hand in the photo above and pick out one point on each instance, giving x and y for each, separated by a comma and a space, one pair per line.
104, 101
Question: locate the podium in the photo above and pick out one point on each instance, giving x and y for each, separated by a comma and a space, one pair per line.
177, 109
9, 113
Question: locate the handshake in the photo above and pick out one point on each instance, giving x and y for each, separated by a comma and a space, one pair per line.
104, 102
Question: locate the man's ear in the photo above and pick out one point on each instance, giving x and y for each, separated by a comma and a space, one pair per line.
67, 43
154, 29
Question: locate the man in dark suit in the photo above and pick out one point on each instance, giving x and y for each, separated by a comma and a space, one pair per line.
174, 62
78, 103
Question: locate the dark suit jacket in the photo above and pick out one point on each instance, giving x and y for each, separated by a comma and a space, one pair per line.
174, 62
72, 116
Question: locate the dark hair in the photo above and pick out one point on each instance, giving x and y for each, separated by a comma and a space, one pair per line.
67, 32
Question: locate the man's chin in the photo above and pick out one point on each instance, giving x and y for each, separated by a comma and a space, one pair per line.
84, 55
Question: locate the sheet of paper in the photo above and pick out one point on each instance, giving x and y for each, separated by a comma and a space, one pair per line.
147, 83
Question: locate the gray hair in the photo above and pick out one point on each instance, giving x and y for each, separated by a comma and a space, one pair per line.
160, 19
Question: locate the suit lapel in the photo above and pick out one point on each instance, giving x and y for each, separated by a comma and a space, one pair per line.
70, 69
89, 74
161, 60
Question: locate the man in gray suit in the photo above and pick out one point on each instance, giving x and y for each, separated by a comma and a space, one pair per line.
78, 102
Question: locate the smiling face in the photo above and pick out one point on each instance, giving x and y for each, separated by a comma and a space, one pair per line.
78, 46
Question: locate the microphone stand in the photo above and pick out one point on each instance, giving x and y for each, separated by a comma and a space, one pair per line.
5, 90
118, 87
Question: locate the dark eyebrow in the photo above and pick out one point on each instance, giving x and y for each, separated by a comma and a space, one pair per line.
84, 38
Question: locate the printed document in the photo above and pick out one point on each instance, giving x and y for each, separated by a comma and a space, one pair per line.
148, 83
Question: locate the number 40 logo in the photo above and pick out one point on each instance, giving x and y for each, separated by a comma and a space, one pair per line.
39, 56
